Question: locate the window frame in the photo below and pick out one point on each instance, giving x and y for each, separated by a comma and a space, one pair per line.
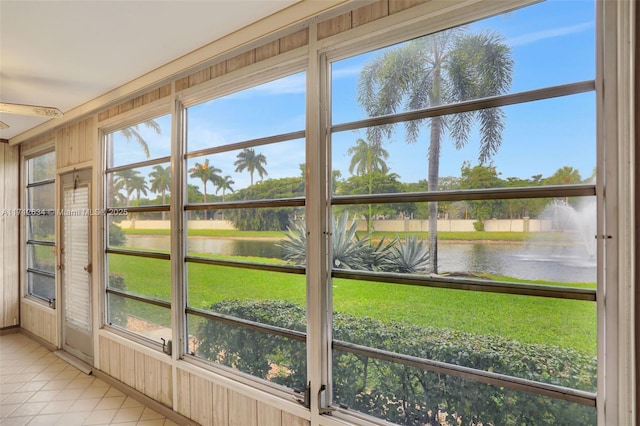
358, 41
154, 110
281, 66
26, 270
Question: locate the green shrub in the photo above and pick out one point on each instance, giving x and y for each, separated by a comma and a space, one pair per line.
116, 235
399, 393
478, 225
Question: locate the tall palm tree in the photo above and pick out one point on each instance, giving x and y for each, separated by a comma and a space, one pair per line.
205, 173
224, 184
161, 182
450, 66
248, 159
123, 180
138, 184
367, 158
133, 132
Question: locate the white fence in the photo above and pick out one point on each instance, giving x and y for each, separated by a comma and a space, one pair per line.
392, 225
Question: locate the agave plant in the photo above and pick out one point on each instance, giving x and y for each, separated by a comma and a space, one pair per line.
409, 257
348, 250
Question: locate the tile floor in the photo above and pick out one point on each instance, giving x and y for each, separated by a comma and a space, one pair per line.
38, 388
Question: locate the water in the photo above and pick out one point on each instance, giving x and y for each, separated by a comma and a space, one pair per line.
569, 262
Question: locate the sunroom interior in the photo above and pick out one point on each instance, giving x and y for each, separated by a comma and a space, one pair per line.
430, 221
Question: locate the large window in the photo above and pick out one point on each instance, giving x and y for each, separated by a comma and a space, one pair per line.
40, 227
463, 201
137, 194
411, 241
244, 166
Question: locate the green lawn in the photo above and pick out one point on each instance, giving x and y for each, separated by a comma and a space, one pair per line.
557, 322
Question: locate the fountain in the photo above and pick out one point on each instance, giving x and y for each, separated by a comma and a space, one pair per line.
578, 221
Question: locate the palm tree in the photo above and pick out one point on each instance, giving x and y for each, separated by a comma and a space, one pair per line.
206, 173
132, 132
450, 66
138, 184
161, 182
225, 183
366, 158
248, 159
123, 181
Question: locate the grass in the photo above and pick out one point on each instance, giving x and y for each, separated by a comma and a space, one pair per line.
546, 321
444, 236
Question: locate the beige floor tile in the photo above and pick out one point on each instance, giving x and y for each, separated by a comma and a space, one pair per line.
16, 398
6, 410
131, 402
73, 419
81, 382
114, 392
45, 419
169, 422
152, 422
44, 396
31, 386
108, 403
99, 417
84, 405
9, 387
149, 414
93, 393
131, 414
56, 385
28, 409
57, 407
15, 421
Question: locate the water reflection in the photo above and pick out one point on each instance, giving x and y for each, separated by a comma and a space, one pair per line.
535, 261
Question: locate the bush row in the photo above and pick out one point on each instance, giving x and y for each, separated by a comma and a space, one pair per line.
398, 393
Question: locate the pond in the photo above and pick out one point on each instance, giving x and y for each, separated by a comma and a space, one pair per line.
532, 261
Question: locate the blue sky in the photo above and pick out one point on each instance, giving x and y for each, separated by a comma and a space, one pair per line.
551, 43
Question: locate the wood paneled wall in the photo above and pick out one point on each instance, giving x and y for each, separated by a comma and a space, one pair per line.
209, 403
9, 235
39, 320
144, 373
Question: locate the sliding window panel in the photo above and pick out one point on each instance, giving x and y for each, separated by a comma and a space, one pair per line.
407, 395
41, 286
548, 44
557, 148
140, 186
142, 276
150, 321
147, 231
41, 257
257, 235
271, 171
144, 141
273, 108
41, 168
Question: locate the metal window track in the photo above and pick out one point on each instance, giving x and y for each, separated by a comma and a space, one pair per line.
138, 165
41, 272
468, 284
139, 253
139, 209
472, 105
247, 144
248, 324
579, 190
287, 269
41, 183
139, 298
281, 202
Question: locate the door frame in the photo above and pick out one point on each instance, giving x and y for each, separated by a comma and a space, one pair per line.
86, 177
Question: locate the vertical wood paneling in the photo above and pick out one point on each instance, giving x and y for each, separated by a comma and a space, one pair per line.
268, 415
184, 393
241, 61
140, 375
219, 398
9, 240
114, 359
201, 401
295, 40
166, 385
39, 320
104, 355
152, 377
291, 420
267, 50
334, 25
396, 6
127, 366
370, 13
242, 410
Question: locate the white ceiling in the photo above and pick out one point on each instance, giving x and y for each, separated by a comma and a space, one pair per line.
63, 53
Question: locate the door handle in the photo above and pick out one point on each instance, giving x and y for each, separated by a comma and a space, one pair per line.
88, 268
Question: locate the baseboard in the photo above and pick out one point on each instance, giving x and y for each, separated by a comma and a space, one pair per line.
10, 330
50, 346
76, 362
144, 399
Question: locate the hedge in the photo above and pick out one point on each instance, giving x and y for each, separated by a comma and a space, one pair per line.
398, 393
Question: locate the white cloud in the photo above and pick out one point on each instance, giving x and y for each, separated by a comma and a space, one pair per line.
546, 34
